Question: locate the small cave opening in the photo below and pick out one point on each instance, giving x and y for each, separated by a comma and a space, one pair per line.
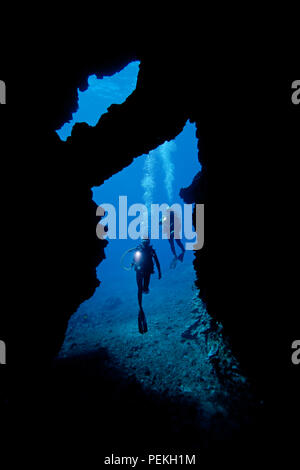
101, 93
182, 372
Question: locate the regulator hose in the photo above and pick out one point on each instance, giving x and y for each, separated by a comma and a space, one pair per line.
126, 268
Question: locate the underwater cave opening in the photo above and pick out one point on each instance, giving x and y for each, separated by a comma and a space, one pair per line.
155, 178
183, 352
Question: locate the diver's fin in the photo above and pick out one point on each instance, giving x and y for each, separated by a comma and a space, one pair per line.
145, 323
143, 328
180, 257
173, 263
140, 323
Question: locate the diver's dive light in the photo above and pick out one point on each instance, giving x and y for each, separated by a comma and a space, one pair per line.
137, 255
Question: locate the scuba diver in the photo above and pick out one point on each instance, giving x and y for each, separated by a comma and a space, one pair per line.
164, 222
144, 267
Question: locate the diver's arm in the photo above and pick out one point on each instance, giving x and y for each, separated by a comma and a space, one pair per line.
157, 264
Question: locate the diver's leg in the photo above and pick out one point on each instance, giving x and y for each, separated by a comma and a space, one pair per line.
180, 244
142, 324
146, 282
139, 281
174, 260
171, 241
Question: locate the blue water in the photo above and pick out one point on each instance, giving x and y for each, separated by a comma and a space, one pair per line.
156, 182
101, 93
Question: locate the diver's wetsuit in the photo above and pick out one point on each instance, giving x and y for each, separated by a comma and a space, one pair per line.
144, 267
172, 238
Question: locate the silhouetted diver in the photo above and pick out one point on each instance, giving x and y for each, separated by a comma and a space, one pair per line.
144, 267
164, 222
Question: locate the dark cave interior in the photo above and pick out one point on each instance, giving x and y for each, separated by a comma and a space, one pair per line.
236, 123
